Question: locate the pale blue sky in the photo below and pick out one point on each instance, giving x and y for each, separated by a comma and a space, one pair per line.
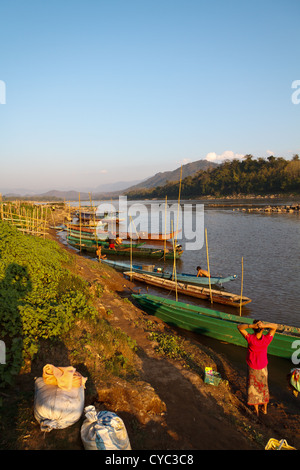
103, 91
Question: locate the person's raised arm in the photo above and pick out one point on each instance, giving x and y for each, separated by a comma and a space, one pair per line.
272, 327
242, 327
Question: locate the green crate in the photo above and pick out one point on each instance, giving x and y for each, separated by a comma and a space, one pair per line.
212, 377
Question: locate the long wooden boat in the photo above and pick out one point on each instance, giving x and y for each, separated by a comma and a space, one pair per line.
139, 235
89, 228
154, 236
140, 252
215, 324
91, 215
104, 236
159, 272
104, 243
216, 296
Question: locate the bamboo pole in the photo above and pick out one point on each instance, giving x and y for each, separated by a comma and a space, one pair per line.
242, 280
174, 238
210, 293
165, 241
179, 194
95, 229
29, 220
174, 268
130, 252
1, 207
45, 223
79, 223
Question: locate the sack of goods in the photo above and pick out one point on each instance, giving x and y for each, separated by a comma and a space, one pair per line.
103, 431
59, 397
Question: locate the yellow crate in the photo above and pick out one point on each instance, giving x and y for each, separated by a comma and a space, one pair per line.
273, 444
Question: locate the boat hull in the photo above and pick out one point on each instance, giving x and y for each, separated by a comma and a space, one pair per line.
211, 323
182, 277
104, 243
136, 252
216, 296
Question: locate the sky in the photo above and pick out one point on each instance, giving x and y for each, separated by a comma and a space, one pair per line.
99, 91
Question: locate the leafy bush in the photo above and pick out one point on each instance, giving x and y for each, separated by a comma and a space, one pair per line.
39, 297
168, 345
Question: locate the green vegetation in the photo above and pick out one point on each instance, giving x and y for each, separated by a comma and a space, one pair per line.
42, 300
233, 178
169, 345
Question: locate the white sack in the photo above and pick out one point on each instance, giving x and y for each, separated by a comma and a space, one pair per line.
55, 408
103, 431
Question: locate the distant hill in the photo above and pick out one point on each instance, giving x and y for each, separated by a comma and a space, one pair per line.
113, 187
104, 191
160, 179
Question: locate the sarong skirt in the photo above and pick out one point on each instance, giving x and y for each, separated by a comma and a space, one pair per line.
257, 386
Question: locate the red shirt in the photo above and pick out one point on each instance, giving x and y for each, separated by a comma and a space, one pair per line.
257, 350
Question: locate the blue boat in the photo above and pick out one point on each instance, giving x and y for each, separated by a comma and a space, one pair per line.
159, 272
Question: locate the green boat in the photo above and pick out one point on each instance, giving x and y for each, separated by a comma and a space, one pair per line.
103, 243
215, 324
140, 252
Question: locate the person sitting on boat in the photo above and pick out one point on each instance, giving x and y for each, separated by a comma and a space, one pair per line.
118, 241
111, 245
202, 272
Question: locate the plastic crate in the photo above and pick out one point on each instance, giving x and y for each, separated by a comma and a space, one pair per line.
212, 377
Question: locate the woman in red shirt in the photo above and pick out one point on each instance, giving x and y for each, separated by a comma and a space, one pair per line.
257, 360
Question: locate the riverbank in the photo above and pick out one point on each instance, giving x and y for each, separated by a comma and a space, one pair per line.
165, 404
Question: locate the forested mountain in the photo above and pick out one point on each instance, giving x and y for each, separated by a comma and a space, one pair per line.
236, 177
162, 178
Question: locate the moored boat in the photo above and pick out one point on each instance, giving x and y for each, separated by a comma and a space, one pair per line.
217, 296
141, 252
215, 324
95, 242
159, 272
102, 228
87, 216
154, 236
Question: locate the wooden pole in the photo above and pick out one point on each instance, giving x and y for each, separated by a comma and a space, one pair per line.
208, 266
179, 194
130, 252
174, 267
165, 242
242, 286
45, 222
79, 223
1, 207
